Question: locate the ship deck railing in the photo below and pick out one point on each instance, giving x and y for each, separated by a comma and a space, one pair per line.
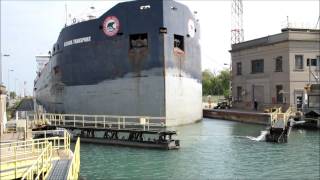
279, 119
36, 158
145, 123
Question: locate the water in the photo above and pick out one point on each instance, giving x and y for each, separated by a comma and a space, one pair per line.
211, 149
261, 137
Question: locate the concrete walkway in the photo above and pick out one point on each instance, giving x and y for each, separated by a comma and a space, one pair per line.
14, 136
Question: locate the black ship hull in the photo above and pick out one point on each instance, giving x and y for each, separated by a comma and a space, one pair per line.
140, 58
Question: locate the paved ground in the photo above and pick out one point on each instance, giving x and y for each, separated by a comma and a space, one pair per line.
16, 136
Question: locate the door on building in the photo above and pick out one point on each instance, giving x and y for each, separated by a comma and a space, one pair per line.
258, 94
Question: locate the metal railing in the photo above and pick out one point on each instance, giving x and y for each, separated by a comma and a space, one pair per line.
279, 118
58, 142
17, 156
103, 121
60, 138
10, 128
74, 169
41, 166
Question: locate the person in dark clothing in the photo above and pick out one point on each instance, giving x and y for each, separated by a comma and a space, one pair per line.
255, 104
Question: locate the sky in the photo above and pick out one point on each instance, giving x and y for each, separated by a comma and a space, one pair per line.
30, 28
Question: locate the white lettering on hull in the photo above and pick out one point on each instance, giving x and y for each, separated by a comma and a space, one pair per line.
77, 41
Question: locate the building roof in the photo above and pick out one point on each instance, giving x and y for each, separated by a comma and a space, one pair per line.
287, 34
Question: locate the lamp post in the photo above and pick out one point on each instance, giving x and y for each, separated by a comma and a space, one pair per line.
15, 86
4, 55
9, 70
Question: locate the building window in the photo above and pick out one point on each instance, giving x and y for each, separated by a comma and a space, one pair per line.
257, 66
138, 41
239, 93
313, 62
279, 64
239, 68
279, 91
299, 62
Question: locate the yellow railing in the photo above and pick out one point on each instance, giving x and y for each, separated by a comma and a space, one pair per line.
74, 169
57, 141
278, 116
41, 166
17, 156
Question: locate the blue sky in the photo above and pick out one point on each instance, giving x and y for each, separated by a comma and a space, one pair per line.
29, 28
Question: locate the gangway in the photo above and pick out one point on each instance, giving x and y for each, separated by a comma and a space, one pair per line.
35, 158
138, 131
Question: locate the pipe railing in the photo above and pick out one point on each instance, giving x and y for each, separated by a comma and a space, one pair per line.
15, 159
74, 169
41, 166
103, 121
18, 155
278, 116
51, 136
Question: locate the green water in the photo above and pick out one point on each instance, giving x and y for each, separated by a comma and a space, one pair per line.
211, 149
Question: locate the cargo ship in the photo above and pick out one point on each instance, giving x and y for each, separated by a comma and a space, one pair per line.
140, 58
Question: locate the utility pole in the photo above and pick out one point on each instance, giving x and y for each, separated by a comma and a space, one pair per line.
9, 70
24, 88
15, 86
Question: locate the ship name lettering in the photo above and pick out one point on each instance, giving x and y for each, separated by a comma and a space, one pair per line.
77, 41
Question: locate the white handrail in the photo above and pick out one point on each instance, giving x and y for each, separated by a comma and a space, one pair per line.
103, 121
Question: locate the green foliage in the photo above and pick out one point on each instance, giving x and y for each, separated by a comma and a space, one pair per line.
13, 95
11, 110
213, 84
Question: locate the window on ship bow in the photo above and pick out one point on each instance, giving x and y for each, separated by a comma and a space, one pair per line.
178, 43
138, 40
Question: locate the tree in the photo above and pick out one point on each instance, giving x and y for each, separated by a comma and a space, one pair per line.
13, 95
206, 82
225, 78
216, 84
